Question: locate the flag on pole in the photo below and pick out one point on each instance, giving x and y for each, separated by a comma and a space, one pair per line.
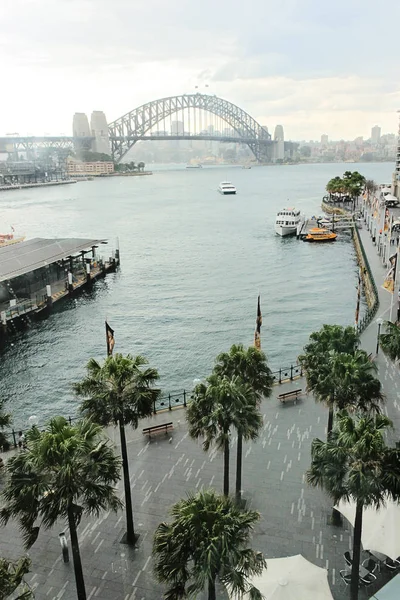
110, 339
358, 299
257, 333
390, 278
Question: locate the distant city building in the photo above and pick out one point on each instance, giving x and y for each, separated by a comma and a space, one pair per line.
278, 135
324, 139
279, 146
396, 174
177, 128
80, 125
375, 134
79, 168
99, 130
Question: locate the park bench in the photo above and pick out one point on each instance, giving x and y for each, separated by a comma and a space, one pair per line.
164, 427
292, 395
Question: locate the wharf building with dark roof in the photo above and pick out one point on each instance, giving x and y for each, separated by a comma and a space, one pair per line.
37, 273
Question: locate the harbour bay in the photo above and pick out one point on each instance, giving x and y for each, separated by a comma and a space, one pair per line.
192, 264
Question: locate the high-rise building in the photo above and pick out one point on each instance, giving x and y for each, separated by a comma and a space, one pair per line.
396, 174
177, 128
375, 134
80, 125
324, 139
279, 146
278, 135
99, 130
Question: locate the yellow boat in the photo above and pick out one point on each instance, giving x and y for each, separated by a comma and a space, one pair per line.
318, 234
6, 239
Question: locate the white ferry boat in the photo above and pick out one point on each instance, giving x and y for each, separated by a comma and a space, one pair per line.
287, 221
225, 187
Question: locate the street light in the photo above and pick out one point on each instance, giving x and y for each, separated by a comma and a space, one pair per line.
33, 421
379, 322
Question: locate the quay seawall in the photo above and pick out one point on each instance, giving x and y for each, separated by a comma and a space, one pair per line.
369, 285
131, 174
22, 186
330, 210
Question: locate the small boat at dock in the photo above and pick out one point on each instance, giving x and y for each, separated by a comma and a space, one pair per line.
320, 234
7, 239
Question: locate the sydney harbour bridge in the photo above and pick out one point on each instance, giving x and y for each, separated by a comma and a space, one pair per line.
186, 117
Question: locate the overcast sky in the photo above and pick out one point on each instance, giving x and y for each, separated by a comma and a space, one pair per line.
314, 67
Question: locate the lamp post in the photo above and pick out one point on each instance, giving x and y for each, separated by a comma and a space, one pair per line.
379, 322
33, 421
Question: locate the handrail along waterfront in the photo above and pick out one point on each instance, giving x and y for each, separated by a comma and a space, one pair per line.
177, 399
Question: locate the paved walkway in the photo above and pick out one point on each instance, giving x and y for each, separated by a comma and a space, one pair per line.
295, 517
388, 372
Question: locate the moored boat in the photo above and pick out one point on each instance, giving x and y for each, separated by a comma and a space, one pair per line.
7, 239
320, 234
287, 221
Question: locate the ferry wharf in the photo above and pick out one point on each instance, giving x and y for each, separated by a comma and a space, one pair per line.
37, 273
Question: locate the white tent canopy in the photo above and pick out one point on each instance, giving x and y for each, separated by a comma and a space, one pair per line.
380, 528
292, 578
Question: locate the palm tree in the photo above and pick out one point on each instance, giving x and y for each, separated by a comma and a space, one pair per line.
207, 540
355, 464
12, 576
251, 367
316, 361
353, 379
334, 186
5, 421
119, 392
216, 407
390, 340
66, 471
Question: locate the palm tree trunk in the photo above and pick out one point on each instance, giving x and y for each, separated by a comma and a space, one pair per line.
226, 466
212, 594
130, 530
239, 457
76, 556
355, 569
330, 421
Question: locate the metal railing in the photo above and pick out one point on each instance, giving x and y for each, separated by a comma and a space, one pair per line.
371, 310
173, 400
19, 309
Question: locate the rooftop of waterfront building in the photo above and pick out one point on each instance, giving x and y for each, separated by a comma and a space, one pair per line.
23, 257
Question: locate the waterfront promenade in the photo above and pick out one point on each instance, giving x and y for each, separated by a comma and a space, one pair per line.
388, 372
295, 517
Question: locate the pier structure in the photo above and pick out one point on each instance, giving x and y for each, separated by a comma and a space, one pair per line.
36, 274
332, 222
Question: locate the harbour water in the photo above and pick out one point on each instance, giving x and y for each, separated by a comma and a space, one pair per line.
192, 265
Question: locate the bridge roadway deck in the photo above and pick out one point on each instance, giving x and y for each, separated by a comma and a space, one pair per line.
295, 517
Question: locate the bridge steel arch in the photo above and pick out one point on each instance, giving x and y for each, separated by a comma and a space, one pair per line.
130, 128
